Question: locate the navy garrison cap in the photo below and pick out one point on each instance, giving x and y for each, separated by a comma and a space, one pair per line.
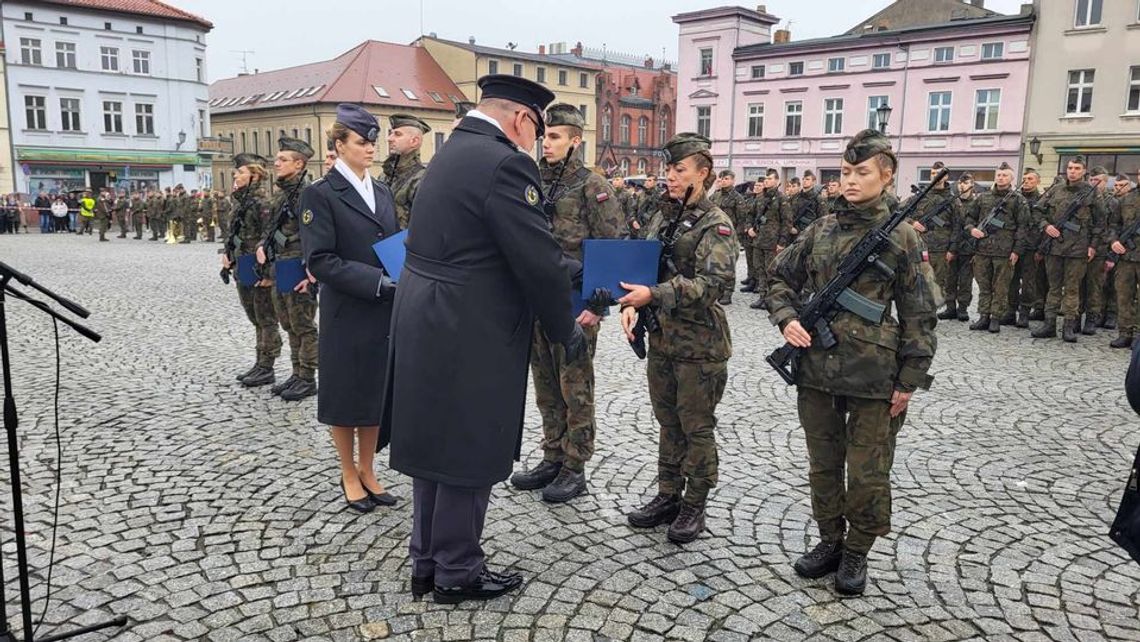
518, 90
358, 119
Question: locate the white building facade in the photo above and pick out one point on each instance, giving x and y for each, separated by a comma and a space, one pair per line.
102, 97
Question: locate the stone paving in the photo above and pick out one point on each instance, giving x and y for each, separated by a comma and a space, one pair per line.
205, 511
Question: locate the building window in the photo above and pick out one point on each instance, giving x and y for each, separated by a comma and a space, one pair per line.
642, 166
986, 109
643, 131
28, 16
112, 117
69, 114
833, 116
663, 127
409, 94
141, 62
836, 65
65, 55
625, 167
36, 111
107, 26
243, 148
607, 124
796, 68
309, 135
1088, 13
30, 51
438, 140
873, 104
144, 121
939, 112
623, 129
200, 69
562, 77
993, 50
110, 58
202, 132
704, 121
881, 61
706, 62
793, 117
755, 120
540, 74
492, 66
757, 72
63, 20
257, 143
584, 81
1134, 90
138, 30
517, 70
1080, 92
943, 54
585, 114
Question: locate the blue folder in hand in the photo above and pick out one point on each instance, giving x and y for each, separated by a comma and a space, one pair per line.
392, 252
606, 263
287, 273
247, 270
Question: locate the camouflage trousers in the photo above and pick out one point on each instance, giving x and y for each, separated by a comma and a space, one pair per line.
101, 226
852, 438
959, 290
157, 228
564, 394
297, 314
1065, 277
993, 274
941, 269
85, 223
258, 305
761, 264
746, 243
1127, 290
684, 396
139, 225
1027, 284
1092, 290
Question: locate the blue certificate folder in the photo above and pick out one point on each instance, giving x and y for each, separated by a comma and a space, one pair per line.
606, 263
288, 273
246, 269
392, 253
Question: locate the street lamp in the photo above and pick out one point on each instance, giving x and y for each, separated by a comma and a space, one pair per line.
181, 140
1035, 149
883, 113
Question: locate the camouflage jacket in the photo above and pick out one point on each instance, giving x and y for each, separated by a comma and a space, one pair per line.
626, 202
732, 203
831, 202
120, 206
693, 325
1014, 215
103, 207
251, 205
403, 175
944, 237
771, 217
289, 237
222, 207
806, 207
585, 206
138, 206
1090, 218
155, 207
1111, 206
871, 360
1123, 217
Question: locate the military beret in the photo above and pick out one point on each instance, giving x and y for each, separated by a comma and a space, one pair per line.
1121, 178
938, 165
408, 120
684, 145
867, 144
286, 144
462, 107
966, 176
518, 90
358, 119
725, 173
1004, 167
564, 114
1080, 160
247, 158
1099, 170
808, 174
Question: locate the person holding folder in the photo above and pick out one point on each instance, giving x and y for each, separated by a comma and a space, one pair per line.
689, 341
342, 215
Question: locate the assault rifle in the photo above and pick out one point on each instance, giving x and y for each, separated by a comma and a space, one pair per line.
274, 240
837, 294
1065, 221
647, 320
1127, 239
233, 237
809, 212
549, 199
990, 221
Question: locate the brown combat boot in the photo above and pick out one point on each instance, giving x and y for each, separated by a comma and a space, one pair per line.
688, 524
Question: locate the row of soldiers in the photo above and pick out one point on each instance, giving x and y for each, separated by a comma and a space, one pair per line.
172, 214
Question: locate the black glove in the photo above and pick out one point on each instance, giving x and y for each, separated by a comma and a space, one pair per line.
600, 300
575, 346
386, 289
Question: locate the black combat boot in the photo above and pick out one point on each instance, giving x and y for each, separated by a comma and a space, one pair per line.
300, 389
1122, 341
247, 372
1037, 314
759, 304
1048, 330
1069, 330
283, 385
820, 561
538, 477
566, 486
951, 312
726, 298
659, 510
995, 325
688, 524
261, 376
983, 323
1022, 318
851, 578
1091, 323
1009, 318
963, 314
748, 286
1109, 322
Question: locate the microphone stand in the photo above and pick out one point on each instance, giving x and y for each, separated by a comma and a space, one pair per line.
7, 275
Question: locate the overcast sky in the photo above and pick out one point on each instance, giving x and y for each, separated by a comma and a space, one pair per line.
292, 32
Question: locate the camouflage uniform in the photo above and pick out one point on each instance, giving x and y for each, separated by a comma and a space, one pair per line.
403, 175
943, 237
257, 301
1128, 268
845, 392
732, 203
207, 209
1093, 297
103, 214
222, 208
119, 208
138, 214
992, 269
806, 207
628, 206
689, 352
959, 291
155, 209
296, 312
1067, 259
771, 217
585, 207
1027, 288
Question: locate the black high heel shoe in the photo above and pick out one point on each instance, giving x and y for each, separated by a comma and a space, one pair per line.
381, 499
362, 505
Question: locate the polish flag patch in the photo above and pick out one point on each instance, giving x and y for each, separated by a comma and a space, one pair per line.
724, 230
925, 256
603, 197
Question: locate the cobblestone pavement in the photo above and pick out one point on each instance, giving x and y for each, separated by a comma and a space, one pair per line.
205, 511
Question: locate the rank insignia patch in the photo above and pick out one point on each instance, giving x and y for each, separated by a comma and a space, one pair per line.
532, 194
307, 217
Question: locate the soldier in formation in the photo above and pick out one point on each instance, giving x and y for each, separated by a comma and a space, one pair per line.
734, 205
403, 169
1124, 241
939, 220
770, 232
996, 225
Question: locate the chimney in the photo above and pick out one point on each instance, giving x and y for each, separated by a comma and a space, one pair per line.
649, 63
981, 4
432, 35
782, 36
542, 50
470, 40
761, 8
1027, 9
577, 50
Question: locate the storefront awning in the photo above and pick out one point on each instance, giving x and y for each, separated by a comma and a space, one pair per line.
65, 156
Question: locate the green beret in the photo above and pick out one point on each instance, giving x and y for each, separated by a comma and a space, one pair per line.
247, 158
684, 145
563, 114
408, 120
286, 144
867, 144
1099, 170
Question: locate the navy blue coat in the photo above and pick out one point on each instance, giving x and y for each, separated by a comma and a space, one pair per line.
482, 263
337, 233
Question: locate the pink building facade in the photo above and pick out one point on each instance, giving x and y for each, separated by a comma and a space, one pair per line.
956, 90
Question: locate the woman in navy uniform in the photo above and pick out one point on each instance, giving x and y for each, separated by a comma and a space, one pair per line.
342, 216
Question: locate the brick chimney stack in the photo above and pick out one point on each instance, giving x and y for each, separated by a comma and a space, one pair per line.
781, 36
577, 50
542, 50
649, 63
